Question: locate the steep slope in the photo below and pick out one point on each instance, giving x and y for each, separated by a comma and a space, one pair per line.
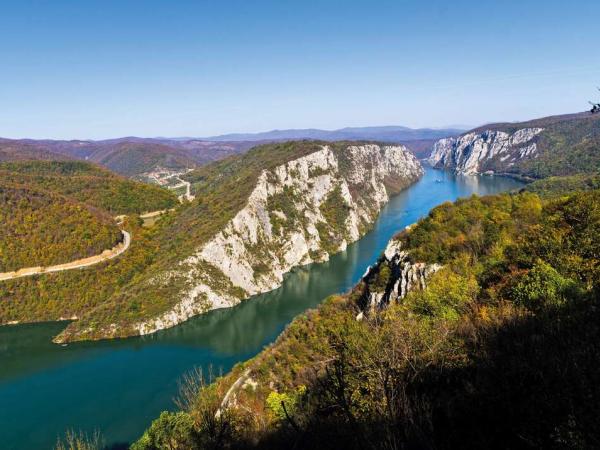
88, 184
502, 317
551, 146
254, 218
38, 228
298, 212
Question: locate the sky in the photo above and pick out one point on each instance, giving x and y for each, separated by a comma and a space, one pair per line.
101, 69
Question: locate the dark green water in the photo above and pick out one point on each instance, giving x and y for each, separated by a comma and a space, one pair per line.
119, 386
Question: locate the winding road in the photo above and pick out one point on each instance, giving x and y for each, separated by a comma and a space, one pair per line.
77, 264
188, 190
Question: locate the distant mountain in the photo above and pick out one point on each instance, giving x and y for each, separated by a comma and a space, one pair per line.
129, 156
133, 156
11, 150
384, 134
421, 148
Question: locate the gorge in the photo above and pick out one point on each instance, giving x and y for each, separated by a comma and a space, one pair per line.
101, 385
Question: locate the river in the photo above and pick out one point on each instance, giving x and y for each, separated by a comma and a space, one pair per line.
119, 386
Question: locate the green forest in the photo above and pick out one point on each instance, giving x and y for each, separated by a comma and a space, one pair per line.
568, 146
41, 229
53, 212
499, 351
88, 184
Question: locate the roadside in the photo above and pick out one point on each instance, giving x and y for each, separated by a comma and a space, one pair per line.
77, 264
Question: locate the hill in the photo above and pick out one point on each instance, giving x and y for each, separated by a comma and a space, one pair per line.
130, 156
88, 184
477, 328
551, 146
133, 158
39, 228
21, 151
254, 218
137, 157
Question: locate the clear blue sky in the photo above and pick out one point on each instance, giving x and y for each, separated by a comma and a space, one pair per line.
98, 69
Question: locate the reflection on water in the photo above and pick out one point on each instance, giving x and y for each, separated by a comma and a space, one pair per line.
119, 386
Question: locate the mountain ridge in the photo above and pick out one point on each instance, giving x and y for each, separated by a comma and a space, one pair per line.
561, 145
386, 133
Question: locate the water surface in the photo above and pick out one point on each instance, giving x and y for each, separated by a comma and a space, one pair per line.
119, 386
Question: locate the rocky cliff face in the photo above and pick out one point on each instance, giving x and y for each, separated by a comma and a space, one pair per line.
392, 277
489, 150
298, 213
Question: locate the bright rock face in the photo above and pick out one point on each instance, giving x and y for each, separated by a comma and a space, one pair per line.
286, 222
474, 153
404, 277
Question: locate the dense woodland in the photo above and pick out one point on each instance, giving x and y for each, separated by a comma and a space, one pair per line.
499, 351
554, 186
88, 184
53, 212
567, 146
40, 229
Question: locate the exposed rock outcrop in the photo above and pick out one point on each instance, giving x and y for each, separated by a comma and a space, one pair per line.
486, 151
298, 213
392, 277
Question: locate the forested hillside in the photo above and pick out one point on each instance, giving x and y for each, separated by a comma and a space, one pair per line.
162, 268
21, 151
38, 228
54, 212
133, 158
498, 350
553, 186
552, 146
88, 184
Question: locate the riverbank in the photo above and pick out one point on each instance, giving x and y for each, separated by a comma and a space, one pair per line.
84, 381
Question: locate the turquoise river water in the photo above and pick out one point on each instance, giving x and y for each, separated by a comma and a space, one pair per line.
119, 386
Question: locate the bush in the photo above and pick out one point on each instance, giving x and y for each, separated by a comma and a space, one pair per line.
170, 431
541, 287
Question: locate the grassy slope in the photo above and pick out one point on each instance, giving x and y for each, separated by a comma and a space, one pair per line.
38, 228
498, 351
89, 184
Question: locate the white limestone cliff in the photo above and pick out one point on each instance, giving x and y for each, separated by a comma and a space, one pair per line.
404, 277
473, 152
261, 243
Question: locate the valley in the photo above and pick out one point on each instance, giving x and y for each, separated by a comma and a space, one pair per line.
299, 225
227, 246
84, 380
194, 257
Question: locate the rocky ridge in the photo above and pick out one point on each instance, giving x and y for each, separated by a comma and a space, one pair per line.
392, 277
485, 151
298, 213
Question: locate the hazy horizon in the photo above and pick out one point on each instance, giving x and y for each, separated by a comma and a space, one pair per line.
101, 70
